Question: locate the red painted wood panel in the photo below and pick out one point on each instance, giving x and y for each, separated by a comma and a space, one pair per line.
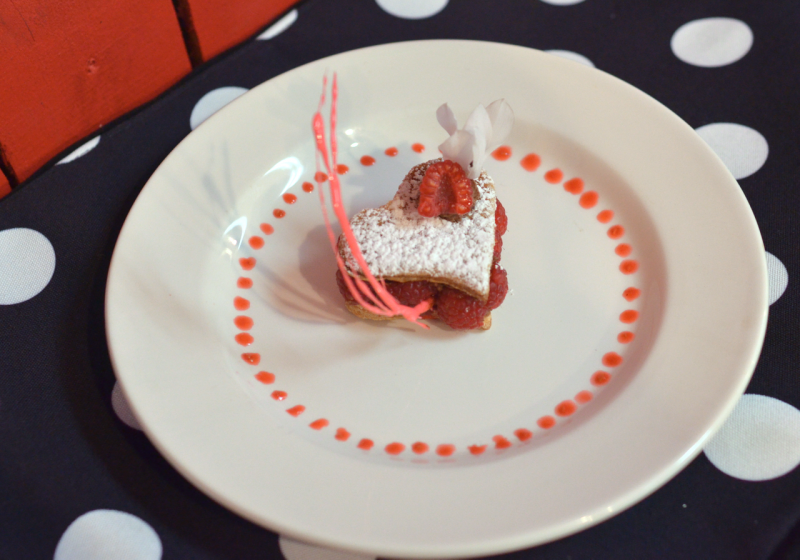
5, 186
221, 24
69, 67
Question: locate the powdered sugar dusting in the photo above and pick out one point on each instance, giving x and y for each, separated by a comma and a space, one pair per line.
398, 243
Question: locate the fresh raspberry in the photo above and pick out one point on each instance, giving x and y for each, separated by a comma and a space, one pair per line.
498, 247
498, 287
444, 189
500, 219
460, 311
411, 293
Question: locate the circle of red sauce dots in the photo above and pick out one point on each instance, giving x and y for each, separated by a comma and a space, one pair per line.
308, 187
366, 161
629, 316
247, 263
546, 422
243, 322
256, 242
605, 216
265, 377
391, 152
320, 177
417, 147
530, 162
252, 358
318, 424
588, 199
289, 198
341, 169
628, 266
625, 337
631, 293
342, 434
615, 232
477, 449
502, 153
501, 443
600, 378
278, 213
445, 450
296, 410
279, 395
365, 444
395, 448
623, 250
554, 176
241, 304
267, 229
244, 339
565, 408
583, 397
244, 283
419, 447
523, 434
611, 359
574, 186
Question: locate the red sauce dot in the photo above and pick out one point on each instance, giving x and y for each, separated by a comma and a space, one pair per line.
248, 263
476, 449
365, 444
240, 303
502, 153
628, 266
574, 186
395, 448
308, 187
265, 377
279, 395
612, 359
625, 337
319, 424
615, 232
252, 359
342, 434
243, 322
583, 397
268, 229
631, 293
546, 422
296, 410
605, 216
244, 339
391, 152
600, 378
623, 250
530, 162
554, 176
341, 169
419, 447
501, 443
445, 450
523, 434
289, 198
256, 242
588, 199
278, 213
244, 283
417, 147
367, 161
629, 316
565, 408
320, 177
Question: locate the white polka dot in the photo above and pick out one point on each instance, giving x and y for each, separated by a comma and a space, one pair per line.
294, 550
105, 534
122, 409
742, 149
562, 2
27, 263
569, 55
412, 9
778, 277
279, 26
82, 150
759, 441
212, 102
712, 42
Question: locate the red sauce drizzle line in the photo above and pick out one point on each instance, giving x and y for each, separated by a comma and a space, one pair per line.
244, 283
501, 443
628, 266
342, 434
268, 229
365, 444
308, 187
615, 232
554, 176
583, 397
265, 377
318, 424
341, 169
629, 316
256, 242
530, 162
546, 422
623, 250
445, 450
588, 199
240, 303
247, 263
395, 448
279, 395
419, 447
320, 177
243, 322
244, 339
605, 216
631, 293
289, 198
296, 410
391, 152
252, 358
476, 449
612, 359
417, 147
574, 186
600, 378
366, 161
278, 213
625, 337
523, 434
565, 408
502, 153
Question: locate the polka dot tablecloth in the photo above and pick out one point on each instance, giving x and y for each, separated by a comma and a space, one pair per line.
80, 481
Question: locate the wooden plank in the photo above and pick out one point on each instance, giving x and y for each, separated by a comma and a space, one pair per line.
221, 24
71, 67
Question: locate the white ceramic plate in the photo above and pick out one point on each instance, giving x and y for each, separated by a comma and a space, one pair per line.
518, 439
